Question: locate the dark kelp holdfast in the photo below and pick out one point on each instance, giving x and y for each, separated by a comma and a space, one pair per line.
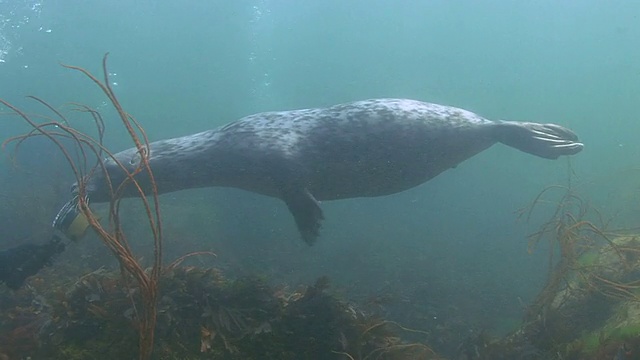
76, 216
20, 262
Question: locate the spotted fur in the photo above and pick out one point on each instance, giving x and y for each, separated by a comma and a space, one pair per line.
360, 149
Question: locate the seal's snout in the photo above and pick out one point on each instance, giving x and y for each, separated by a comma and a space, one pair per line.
88, 184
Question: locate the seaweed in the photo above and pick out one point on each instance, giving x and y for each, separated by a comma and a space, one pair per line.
204, 315
176, 312
85, 147
588, 308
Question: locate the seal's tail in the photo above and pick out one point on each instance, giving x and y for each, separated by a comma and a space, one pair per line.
545, 140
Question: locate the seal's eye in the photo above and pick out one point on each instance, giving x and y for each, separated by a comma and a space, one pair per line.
137, 158
134, 159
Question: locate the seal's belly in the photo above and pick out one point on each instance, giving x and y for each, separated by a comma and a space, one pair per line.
386, 161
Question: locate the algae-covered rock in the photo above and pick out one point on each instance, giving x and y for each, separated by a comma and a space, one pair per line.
203, 315
593, 312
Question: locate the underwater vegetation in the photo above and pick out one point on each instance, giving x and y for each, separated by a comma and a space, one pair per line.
589, 308
203, 315
84, 148
168, 312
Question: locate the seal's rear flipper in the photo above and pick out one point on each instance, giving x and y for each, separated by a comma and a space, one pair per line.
307, 213
544, 140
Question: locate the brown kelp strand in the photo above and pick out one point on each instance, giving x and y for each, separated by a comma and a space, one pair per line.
84, 147
203, 314
177, 310
589, 306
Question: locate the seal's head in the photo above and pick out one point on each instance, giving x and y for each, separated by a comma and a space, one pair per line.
102, 183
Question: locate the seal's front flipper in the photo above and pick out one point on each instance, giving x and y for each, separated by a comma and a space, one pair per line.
545, 140
307, 213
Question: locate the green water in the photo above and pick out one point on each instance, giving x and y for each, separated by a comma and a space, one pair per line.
187, 66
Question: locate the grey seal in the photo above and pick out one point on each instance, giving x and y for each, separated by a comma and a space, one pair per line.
360, 149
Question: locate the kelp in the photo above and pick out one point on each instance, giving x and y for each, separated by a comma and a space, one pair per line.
176, 312
589, 307
204, 315
83, 148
